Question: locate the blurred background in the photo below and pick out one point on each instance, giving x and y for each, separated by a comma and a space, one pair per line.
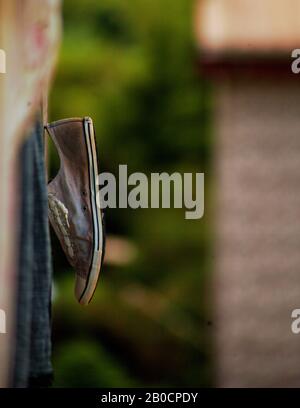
132, 67
187, 86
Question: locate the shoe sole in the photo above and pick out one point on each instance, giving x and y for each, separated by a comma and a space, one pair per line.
98, 241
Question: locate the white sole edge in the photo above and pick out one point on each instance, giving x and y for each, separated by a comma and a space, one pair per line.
91, 283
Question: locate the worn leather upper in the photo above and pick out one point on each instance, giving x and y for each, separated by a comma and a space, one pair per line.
69, 194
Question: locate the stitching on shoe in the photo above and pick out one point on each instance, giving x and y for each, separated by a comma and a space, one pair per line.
63, 122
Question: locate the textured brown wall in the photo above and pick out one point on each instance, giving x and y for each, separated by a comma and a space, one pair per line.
257, 277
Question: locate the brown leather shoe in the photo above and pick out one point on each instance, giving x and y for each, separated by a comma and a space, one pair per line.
73, 208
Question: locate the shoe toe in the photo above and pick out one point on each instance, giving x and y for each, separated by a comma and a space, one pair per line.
80, 284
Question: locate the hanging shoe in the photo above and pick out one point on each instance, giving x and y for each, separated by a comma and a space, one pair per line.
74, 208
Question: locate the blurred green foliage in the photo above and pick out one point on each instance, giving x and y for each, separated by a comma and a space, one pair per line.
131, 66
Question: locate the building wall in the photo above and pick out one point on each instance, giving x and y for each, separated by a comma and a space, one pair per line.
248, 26
257, 276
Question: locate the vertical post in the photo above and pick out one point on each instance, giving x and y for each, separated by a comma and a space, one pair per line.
8, 213
29, 35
